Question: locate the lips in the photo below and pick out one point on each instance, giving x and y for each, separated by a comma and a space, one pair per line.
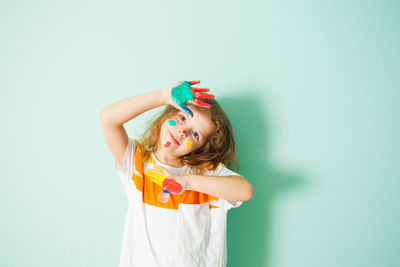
173, 139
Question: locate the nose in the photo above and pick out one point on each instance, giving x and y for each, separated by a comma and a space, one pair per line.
182, 132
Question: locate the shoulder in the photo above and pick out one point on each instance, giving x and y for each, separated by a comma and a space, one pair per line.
222, 170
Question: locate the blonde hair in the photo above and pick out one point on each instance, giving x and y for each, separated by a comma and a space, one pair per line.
218, 148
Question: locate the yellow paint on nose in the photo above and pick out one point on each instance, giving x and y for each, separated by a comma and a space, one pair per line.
189, 144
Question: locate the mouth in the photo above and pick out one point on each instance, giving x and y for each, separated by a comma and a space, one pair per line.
173, 139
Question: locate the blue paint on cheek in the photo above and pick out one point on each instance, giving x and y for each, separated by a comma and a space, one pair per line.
172, 122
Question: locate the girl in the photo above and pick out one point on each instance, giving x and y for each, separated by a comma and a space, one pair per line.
176, 180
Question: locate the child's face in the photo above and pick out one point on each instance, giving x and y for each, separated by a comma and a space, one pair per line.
183, 134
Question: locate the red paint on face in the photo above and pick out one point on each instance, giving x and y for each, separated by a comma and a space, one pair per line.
173, 139
184, 132
167, 144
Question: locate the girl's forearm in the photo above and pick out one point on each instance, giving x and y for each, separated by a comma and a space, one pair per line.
231, 188
126, 109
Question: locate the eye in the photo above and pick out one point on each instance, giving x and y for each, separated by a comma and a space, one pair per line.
182, 118
195, 134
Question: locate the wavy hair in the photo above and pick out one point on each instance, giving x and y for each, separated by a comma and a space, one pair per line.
218, 148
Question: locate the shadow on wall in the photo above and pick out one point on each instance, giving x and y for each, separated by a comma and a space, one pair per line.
249, 226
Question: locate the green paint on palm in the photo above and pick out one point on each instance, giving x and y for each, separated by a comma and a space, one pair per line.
182, 93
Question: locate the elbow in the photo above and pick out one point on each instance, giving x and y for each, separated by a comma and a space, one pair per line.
249, 193
103, 116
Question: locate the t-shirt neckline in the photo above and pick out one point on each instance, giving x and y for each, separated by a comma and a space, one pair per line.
166, 165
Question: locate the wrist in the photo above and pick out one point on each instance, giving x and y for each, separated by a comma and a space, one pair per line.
165, 94
186, 179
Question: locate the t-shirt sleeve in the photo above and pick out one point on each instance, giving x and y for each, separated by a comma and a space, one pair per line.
224, 171
125, 169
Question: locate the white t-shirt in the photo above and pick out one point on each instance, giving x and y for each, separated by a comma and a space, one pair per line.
190, 235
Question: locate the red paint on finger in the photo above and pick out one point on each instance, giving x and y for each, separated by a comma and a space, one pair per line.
194, 82
201, 103
172, 185
197, 89
202, 95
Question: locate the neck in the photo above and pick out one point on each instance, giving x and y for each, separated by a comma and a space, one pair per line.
164, 157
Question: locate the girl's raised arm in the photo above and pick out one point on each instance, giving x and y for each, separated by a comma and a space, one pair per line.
127, 109
115, 115
177, 95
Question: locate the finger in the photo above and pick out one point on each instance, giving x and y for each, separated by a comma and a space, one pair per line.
201, 103
186, 109
202, 95
158, 168
172, 185
194, 82
197, 89
155, 178
163, 196
151, 173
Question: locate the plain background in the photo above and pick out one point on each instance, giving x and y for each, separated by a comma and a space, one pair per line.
311, 88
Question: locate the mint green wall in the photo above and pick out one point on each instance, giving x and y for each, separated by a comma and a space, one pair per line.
311, 87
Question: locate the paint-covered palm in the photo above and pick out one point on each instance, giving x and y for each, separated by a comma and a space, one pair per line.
183, 94
174, 184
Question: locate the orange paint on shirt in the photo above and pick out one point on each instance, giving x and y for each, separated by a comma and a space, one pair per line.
151, 190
